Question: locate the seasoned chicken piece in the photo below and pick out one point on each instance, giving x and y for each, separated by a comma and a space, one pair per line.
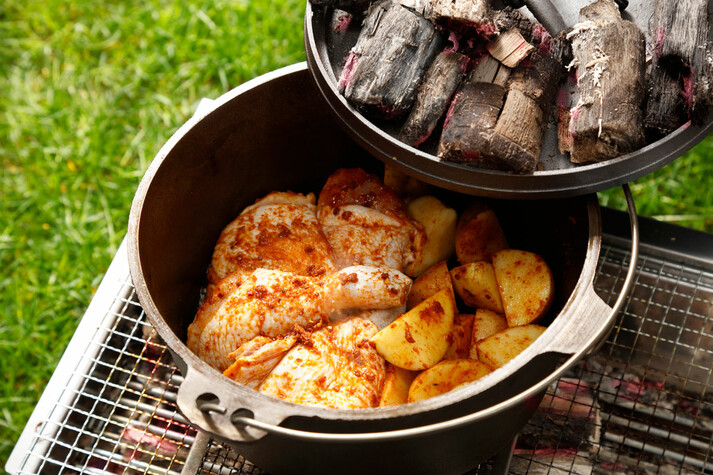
334, 367
367, 223
279, 232
255, 359
272, 303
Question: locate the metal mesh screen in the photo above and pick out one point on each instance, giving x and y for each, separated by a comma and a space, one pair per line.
642, 404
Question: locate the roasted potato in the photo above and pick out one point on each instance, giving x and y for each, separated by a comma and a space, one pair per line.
460, 337
439, 223
478, 234
434, 279
476, 285
498, 349
396, 386
445, 376
526, 285
485, 323
419, 338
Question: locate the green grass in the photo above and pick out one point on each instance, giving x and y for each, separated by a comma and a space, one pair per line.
680, 193
89, 93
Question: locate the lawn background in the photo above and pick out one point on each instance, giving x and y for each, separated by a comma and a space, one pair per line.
88, 94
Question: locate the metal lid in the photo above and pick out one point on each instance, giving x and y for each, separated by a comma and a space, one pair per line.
556, 176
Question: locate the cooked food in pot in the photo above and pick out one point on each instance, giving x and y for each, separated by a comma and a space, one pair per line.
307, 302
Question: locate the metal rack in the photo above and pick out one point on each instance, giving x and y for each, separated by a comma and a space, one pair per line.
641, 404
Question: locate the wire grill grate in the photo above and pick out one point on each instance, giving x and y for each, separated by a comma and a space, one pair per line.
642, 404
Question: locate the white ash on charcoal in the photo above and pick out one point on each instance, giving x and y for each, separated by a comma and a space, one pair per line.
442, 79
351, 6
680, 83
609, 56
382, 72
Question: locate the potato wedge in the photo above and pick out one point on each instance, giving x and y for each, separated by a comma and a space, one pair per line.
396, 386
485, 323
439, 223
419, 338
434, 279
478, 234
460, 337
445, 376
526, 285
476, 285
498, 349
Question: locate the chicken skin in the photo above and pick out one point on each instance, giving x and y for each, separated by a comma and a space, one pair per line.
255, 359
332, 367
273, 303
367, 223
278, 232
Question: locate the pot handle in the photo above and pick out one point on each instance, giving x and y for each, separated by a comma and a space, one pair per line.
547, 14
591, 314
205, 402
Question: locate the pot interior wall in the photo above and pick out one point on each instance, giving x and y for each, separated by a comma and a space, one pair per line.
282, 136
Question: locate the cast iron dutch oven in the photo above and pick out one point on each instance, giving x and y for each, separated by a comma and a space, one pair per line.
276, 133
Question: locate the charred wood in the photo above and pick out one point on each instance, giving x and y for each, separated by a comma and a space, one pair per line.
440, 83
508, 19
516, 143
466, 15
510, 48
609, 54
502, 127
538, 80
473, 114
383, 71
680, 83
665, 109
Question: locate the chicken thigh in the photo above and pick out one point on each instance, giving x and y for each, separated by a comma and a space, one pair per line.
367, 223
273, 303
332, 367
279, 232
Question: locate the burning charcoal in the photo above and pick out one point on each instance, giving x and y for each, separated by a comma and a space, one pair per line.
351, 6
466, 15
516, 142
384, 69
680, 74
473, 113
609, 54
442, 79
486, 131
